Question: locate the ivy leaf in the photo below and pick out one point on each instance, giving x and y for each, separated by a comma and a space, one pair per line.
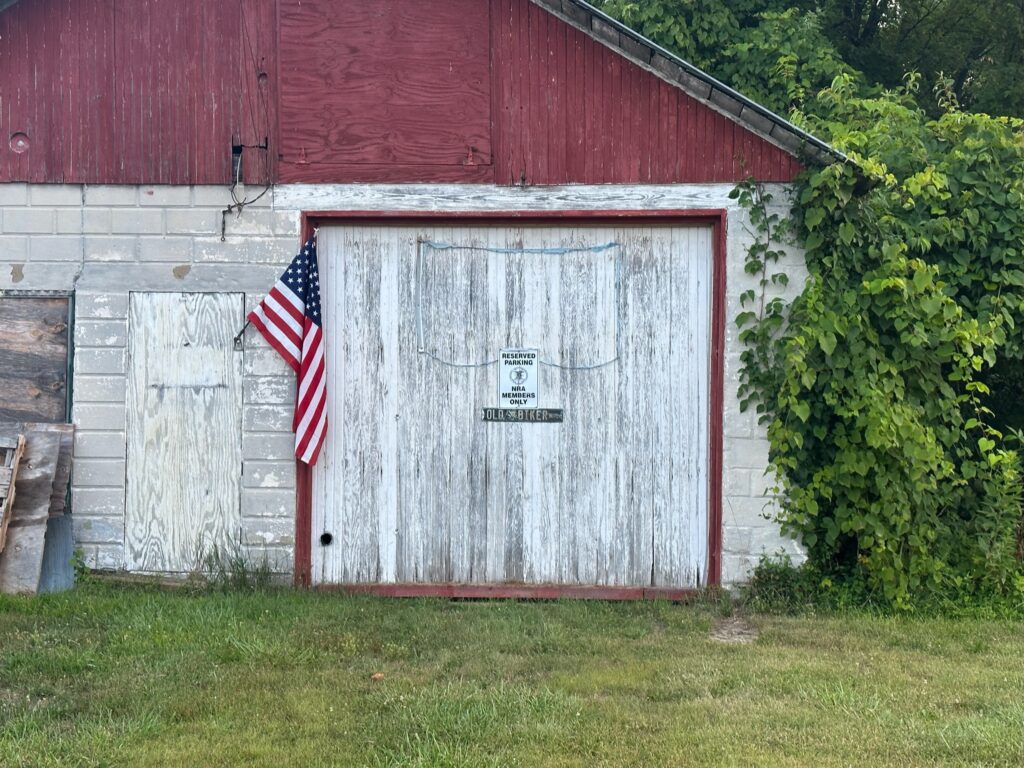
921, 279
813, 217
827, 341
846, 232
803, 410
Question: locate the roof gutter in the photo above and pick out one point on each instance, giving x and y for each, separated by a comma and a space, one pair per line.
719, 95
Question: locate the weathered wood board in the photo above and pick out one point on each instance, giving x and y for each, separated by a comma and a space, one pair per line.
62, 477
33, 359
12, 449
184, 429
22, 560
417, 488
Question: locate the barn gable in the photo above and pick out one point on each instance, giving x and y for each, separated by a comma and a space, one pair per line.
510, 92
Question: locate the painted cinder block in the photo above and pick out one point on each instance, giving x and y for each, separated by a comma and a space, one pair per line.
287, 224
137, 221
269, 474
736, 567
56, 248
100, 416
14, 194
213, 196
55, 194
100, 473
111, 248
266, 502
101, 333
198, 221
736, 482
165, 196
278, 559
101, 305
100, 389
276, 446
748, 453
13, 248
39, 275
250, 222
111, 195
100, 445
69, 221
268, 390
97, 501
736, 538
109, 557
746, 510
28, 220
91, 529
176, 249
267, 418
246, 250
99, 360
96, 221
267, 531
263, 361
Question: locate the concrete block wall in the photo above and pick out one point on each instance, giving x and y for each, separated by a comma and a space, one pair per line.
102, 242
748, 509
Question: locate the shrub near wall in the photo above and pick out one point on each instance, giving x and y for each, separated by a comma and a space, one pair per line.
887, 464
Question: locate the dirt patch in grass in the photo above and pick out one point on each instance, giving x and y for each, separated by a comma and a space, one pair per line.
734, 629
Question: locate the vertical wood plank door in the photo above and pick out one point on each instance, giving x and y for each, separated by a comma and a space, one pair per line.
184, 430
33, 359
415, 488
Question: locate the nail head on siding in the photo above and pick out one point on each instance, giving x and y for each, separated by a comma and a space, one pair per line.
19, 143
326, 539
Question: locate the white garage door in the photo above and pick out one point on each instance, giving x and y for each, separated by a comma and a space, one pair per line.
413, 485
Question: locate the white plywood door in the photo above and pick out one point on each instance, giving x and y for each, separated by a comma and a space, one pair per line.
416, 488
184, 429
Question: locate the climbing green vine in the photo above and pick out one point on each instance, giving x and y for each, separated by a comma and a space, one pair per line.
888, 462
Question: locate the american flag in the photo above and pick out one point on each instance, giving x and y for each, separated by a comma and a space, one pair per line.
290, 319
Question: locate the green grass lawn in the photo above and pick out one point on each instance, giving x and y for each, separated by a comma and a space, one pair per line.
112, 675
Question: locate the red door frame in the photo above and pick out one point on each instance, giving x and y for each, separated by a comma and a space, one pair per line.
716, 218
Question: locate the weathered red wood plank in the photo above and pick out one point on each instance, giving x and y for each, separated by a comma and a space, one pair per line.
388, 82
327, 173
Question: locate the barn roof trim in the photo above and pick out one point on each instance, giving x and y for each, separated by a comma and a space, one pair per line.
699, 84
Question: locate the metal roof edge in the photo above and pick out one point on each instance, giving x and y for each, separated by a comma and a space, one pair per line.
708, 90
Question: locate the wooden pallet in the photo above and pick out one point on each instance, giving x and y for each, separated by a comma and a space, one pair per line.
12, 448
21, 564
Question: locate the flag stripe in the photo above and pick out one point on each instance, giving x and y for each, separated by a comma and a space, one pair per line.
290, 357
284, 315
289, 319
287, 336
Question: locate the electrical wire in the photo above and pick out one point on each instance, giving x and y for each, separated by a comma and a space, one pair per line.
236, 206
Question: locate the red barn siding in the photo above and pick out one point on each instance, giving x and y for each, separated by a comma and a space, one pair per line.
130, 91
488, 91
573, 110
392, 84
